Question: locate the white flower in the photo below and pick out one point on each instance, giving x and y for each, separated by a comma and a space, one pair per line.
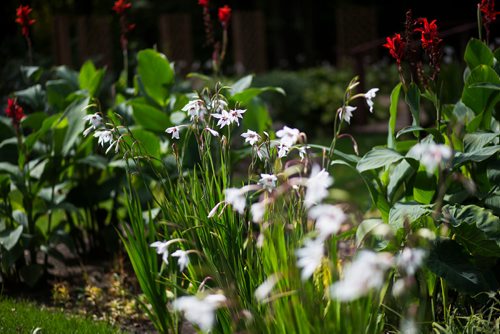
236, 114
219, 105
410, 259
258, 210
103, 137
174, 131
251, 137
200, 311
288, 136
309, 257
95, 120
369, 96
195, 109
236, 197
346, 113
328, 218
224, 118
268, 181
162, 248
263, 291
283, 150
303, 152
431, 155
183, 260
317, 186
213, 132
367, 272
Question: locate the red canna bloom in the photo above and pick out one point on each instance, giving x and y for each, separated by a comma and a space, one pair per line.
14, 111
203, 3
487, 7
22, 18
429, 33
396, 47
121, 6
224, 15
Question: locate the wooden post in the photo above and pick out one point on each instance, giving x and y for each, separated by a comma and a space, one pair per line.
176, 39
61, 42
95, 40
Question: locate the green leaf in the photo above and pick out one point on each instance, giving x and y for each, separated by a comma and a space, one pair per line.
448, 260
463, 113
32, 73
74, 113
149, 117
393, 113
90, 78
31, 274
365, 228
148, 141
477, 98
156, 74
402, 172
96, 161
492, 202
46, 126
177, 117
413, 101
476, 155
256, 117
477, 53
402, 213
424, 187
486, 85
33, 96
248, 94
378, 157
477, 229
477, 140
241, 84
57, 92
9, 238
433, 131
34, 121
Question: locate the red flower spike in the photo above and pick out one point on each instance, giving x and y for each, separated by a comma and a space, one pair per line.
22, 18
396, 47
203, 3
224, 15
487, 7
14, 111
121, 6
429, 33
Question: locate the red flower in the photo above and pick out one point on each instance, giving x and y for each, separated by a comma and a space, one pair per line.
429, 33
396, 47
14, 111
121, 6
224, 15
487, 7
22, 18
203, 3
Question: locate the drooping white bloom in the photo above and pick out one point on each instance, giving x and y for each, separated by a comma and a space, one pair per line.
409, 326
103, 137
369, 96
288, 136
410, 259
212, 132
258, 210
328, 218
224, 118
251, 137
309, 257
263, 291
346, 113
200, 311
95, 121
218, 105
162, 249
283, 150
236, 197
303, 152
268, 181
431, 155
195, 109
183, 260
173, 131
365, 273
317, 186
236, 114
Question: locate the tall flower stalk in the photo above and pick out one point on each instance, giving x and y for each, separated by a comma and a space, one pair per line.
24, 20
121, 7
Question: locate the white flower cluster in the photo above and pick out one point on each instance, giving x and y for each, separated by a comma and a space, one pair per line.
103, 136
162, 249
200, 310
431, 155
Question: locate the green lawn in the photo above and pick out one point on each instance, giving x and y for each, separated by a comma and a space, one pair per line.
24, 317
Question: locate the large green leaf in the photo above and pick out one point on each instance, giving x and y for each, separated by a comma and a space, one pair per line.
424, 187
476, 228
403, 171
448, 260
57, 91
9, 238
256, 117
413, 101
378, 157
477, 53
149, 117
33, 96
156, 74
402, 213
393, 113
244, 97
481, 99
477, 140
241, 84
74, 113
149, 143
90, 78
366, 227
476, 155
